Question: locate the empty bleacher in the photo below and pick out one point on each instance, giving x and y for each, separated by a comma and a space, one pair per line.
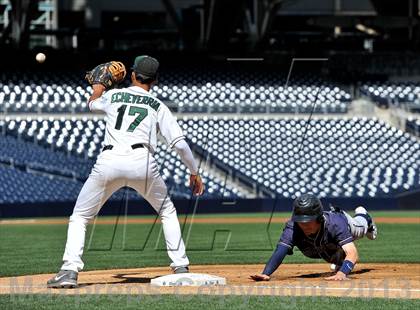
356, 157
332, 157
19, 187
68, 147
402, 95
413, 126
189, 91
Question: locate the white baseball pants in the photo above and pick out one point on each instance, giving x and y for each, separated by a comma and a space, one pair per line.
358, 225
113, 170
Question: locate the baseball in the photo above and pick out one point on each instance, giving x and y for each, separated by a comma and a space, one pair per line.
40, 57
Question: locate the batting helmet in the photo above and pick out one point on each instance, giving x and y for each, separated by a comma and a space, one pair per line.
307, 208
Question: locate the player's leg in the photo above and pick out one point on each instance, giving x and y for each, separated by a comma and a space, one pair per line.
152, 187
361, 224
94, 194
372, 231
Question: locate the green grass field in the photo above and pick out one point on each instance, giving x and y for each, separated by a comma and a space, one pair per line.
203, 302
33, 249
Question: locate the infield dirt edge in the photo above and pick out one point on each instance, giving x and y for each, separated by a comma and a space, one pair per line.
368, 281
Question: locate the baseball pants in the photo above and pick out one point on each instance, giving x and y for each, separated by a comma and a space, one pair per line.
358, 225
115, 169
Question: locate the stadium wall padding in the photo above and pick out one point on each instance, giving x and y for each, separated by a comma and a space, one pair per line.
185, 206
409, 200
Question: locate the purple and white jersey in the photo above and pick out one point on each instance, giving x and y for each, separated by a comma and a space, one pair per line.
333, 234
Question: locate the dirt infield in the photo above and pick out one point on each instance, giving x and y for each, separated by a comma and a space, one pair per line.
367, 280
201, 220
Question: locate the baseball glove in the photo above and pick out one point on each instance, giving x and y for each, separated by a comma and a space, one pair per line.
108, 74
196, 185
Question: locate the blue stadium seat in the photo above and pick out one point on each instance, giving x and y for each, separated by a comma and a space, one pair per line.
17, 186
189, 91
404, 95
413, 126
66, 148
359, 157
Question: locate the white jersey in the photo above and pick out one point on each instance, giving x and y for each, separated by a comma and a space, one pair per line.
134, 116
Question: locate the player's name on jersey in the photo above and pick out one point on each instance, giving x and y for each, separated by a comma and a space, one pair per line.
136, 99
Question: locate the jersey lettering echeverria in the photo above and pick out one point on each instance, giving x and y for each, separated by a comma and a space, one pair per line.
133, 116
125, 97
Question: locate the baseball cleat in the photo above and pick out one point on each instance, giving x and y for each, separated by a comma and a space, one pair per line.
63, 279
184, 269
372, 231
360, 210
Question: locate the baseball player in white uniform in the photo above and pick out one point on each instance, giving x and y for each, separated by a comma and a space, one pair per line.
134, 118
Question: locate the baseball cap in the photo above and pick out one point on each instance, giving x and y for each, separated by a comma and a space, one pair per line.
146, 66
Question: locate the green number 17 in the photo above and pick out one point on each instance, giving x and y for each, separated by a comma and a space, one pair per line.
142, 113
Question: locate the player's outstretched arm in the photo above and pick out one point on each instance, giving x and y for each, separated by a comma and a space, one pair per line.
272, 265
105, 76
184, 151
98, 90
174, 136
348, 264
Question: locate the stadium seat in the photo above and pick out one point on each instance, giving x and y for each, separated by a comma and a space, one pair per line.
403, 95
66, 148
359, 157
188, 90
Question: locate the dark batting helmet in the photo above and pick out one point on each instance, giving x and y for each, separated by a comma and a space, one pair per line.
307, 208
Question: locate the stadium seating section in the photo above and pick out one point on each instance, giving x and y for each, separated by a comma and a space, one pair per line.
333, 158
22, 187
403, 95
355, 157
413, 126
65, 149
245, 92
188, 91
